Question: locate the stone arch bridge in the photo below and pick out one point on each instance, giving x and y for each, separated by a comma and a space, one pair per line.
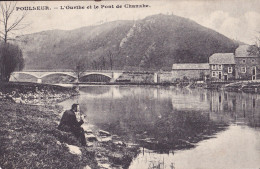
39, 74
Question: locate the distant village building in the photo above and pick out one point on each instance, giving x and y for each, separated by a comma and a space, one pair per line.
242, 65
165, 75
247, 65
222, 66
195, 71
166, 69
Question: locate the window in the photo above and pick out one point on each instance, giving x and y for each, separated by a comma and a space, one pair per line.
219, 67
253, 60
213, 67
243, 69
213, 74
244, 60
229, 69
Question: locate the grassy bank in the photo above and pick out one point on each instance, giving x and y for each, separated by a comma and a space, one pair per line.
30, 139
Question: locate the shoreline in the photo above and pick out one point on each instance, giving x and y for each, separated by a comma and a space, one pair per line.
238, 86
30, 138
245, 86
31, 131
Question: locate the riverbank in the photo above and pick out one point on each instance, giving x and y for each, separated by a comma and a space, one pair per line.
250, 86
30, 139
244, 86
34, 93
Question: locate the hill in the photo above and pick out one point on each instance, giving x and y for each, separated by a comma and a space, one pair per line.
151, 43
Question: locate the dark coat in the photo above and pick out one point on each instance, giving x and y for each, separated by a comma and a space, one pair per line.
69, 122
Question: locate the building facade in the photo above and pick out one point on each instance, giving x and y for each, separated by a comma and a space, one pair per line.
192, 71
222, 67
247, 65
241, 65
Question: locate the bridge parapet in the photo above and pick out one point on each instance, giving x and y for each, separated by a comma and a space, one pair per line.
43, 74
69, 70
113, 75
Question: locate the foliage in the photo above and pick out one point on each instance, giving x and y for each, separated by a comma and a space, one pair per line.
79, 67
111, 59
254, 50
11, 59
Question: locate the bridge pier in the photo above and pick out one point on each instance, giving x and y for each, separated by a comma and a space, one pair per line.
39, 80
112, 78
115, 75
12, 78
155, 78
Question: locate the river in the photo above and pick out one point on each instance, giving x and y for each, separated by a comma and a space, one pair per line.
178, 128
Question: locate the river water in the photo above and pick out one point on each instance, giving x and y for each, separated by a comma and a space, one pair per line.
195, 128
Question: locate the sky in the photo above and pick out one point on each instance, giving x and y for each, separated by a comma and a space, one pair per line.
236, 19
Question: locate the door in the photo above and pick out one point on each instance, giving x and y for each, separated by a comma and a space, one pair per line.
225, 77
220, 75
254, 73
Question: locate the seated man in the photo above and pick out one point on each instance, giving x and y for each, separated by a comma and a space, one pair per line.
69, 123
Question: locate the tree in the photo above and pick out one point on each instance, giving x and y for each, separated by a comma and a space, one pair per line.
9, 58
13, 62
80, 67
255, 49
103, 63
94, 65
111, 59
10, 23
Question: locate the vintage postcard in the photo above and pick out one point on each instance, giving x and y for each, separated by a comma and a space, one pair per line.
130, 84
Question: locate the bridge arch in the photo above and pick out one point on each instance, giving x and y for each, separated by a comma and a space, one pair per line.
96, 77
104, 75
14, 75
58, 73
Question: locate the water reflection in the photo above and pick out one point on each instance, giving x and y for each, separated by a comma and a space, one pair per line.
177, 119
235, 148
118, 106
222, 106
101, 92
240, 108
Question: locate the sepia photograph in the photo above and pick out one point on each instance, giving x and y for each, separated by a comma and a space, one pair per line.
150, 84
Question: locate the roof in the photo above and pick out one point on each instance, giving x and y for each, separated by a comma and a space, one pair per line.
137, 69
166, 68
242, 51
222, 58
190, 66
